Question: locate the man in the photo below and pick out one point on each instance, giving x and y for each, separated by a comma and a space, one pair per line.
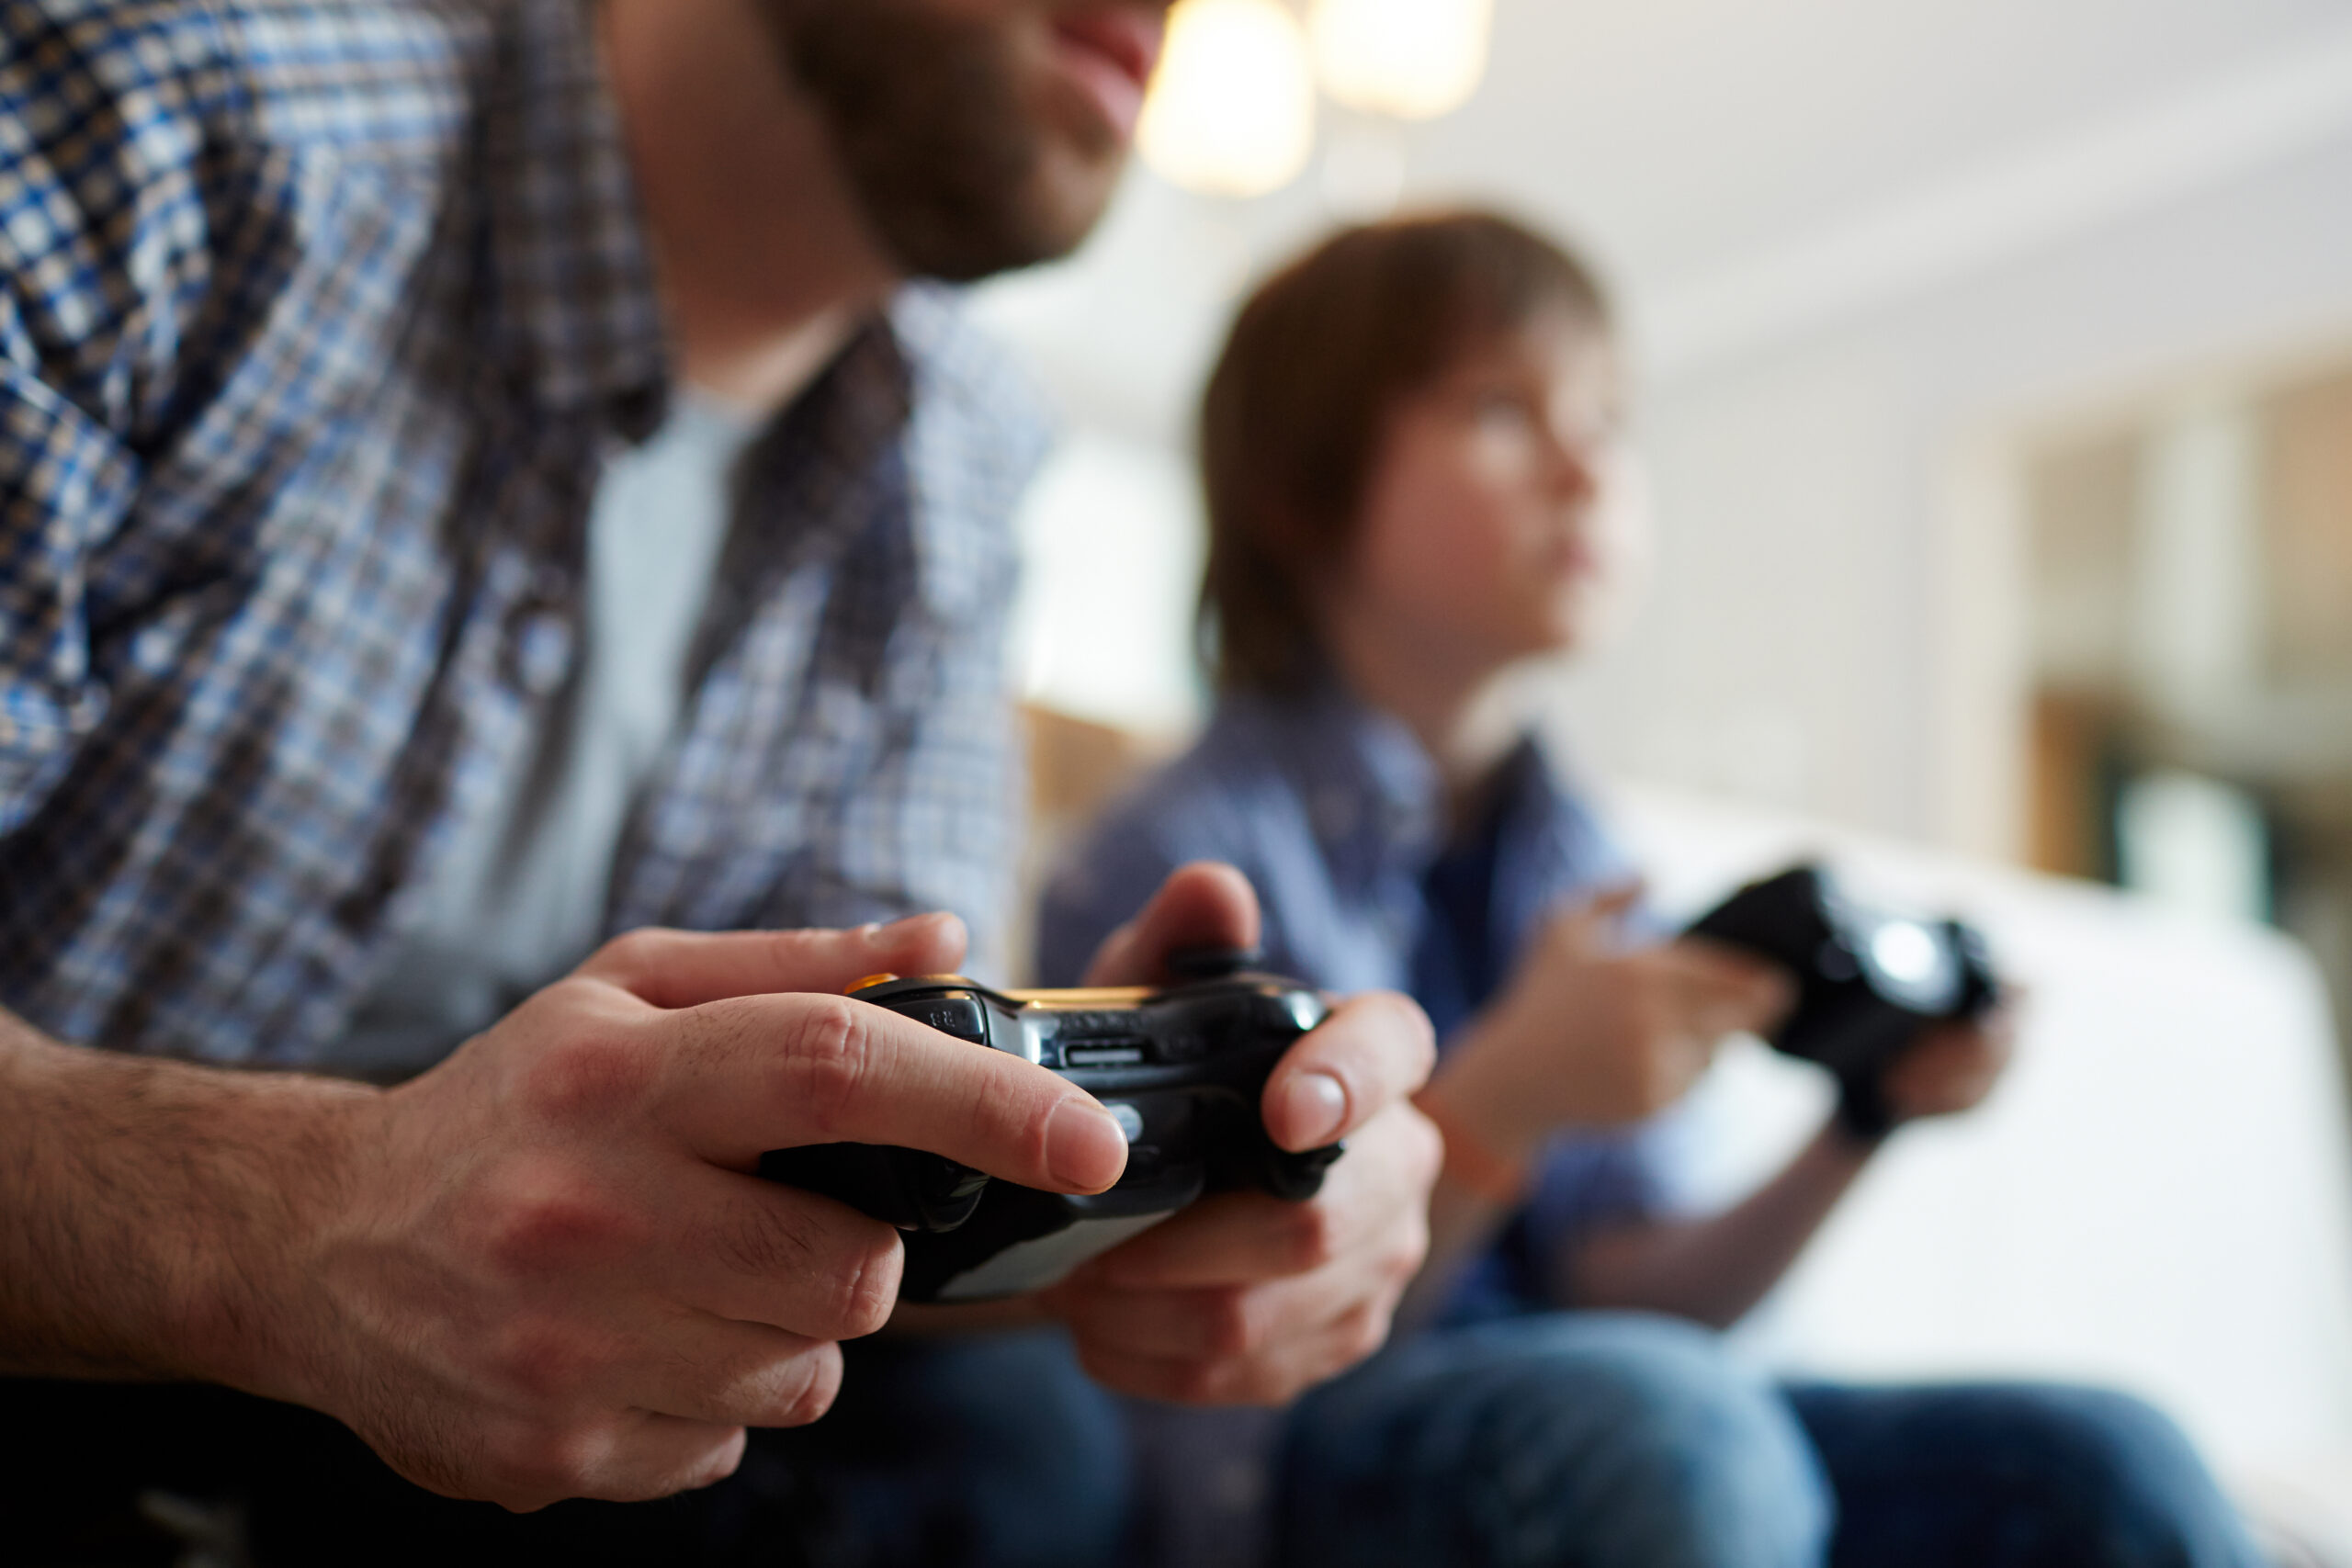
473, 483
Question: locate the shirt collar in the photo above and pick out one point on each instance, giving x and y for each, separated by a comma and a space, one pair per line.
975, 429
920, 428
578, 310
1374, 797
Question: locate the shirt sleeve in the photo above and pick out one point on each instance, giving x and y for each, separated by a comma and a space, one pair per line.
117, 196
65, 483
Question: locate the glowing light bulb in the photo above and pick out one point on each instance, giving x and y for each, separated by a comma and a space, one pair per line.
1231, 110
1412, 58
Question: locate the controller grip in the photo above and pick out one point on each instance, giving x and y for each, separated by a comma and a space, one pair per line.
1295, 1178
901, 1186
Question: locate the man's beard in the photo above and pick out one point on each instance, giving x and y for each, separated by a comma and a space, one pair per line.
948, 163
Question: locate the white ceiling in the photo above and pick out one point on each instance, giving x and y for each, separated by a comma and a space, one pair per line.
1742, 167
1682, 134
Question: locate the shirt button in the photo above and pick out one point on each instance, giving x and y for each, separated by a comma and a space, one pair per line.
538, 650
153, 650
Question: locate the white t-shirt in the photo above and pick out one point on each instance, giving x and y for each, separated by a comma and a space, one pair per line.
519, 896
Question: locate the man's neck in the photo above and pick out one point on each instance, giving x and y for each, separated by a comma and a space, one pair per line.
765, 262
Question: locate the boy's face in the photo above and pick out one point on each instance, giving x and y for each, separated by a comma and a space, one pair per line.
1504, 515
979, 134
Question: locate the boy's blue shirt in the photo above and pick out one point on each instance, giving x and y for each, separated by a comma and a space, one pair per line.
1336, 815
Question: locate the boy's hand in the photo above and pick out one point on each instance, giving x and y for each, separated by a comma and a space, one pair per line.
1242, 1297
1951, 1068
546, 1269
1590, 1033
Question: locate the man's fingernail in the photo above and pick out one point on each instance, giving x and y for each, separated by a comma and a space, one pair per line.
1084, 1148
1315, 1106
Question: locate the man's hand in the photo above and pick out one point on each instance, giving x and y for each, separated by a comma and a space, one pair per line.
550, 1272
1592, 1032
1242, 1297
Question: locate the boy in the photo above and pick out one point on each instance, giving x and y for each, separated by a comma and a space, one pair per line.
1417, 480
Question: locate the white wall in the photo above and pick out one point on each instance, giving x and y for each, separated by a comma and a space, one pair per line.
1829, 573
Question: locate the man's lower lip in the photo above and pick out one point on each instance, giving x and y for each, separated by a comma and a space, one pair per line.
1114, 91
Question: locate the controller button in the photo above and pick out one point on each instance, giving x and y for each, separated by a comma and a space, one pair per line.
871, 980
1275, 1012
1103, 1055
1129, 1119
1212, 963
956, 1182
959, 1016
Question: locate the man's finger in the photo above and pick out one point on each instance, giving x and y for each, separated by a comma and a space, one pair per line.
724, 1373
661, 1456
684, 969
1216, 1320
1172, 1380
1269, 1379
1205, 904
758, 1253
641, 1457
1233, 1238
754, 1073
1374, 1051
1237, 1238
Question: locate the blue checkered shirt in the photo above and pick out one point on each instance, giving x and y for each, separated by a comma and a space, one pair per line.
317, 323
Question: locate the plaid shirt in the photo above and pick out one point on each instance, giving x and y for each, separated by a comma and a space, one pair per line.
316, 323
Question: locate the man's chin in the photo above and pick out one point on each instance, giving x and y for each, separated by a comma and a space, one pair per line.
1072, 192
1042, 223
966, 159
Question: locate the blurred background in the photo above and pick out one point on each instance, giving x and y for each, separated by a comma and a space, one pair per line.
1994, 364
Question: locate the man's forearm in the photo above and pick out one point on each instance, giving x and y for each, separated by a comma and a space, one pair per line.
144, 1205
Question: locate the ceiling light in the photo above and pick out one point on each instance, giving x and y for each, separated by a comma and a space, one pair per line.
1412, 58
1231, 110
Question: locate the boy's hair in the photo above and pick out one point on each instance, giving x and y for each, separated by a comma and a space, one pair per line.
1292, 421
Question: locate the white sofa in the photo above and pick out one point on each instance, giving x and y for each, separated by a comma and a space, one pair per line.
2159, 1198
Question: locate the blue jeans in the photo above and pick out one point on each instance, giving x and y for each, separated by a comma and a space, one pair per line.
984, 1453
1604, 1440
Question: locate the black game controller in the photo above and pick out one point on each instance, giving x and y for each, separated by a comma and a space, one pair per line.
1182, 1070
1868, 981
